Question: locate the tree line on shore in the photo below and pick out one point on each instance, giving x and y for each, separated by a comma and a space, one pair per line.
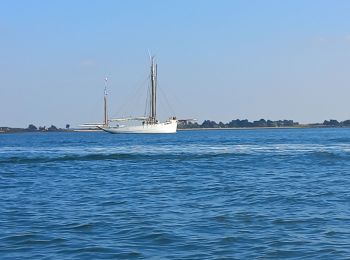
33, 128
187, 124
237, 123
333, 122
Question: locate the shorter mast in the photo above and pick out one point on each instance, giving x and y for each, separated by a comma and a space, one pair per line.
153, 91
105, 121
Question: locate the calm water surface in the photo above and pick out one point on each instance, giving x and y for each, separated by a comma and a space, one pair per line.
194, 195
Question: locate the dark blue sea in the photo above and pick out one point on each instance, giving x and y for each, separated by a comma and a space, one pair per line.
242, 194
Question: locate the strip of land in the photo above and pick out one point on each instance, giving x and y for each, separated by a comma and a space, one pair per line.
183, 125
262, 123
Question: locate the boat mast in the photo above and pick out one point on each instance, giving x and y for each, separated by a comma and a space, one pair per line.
153, 91
105, 121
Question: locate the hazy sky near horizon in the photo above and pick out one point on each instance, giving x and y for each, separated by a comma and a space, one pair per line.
217, 60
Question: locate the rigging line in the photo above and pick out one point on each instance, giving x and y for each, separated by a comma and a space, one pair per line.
136, 101
126, 103
166, 100
175, 98
135, 90
163, 105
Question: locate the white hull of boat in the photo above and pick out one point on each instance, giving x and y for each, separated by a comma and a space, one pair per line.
168, 127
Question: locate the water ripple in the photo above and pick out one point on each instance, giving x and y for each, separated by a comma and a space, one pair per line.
194, 195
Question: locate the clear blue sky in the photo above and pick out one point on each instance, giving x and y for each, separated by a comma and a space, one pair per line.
218, 60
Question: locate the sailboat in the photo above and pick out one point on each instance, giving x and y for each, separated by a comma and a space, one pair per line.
146, 125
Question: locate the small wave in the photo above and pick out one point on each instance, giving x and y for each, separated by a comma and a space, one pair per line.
116, 156
296, 221
111, 203
159, 237
32, 239
81, 226
169, 152
340, 140
229, 240
330, 155
20, 237
43, 241
222, 218
88, 249
67, 158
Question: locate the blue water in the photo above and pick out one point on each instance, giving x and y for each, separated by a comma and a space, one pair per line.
242, 194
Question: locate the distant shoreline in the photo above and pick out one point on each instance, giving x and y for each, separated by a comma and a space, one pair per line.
262, 128
23, 131
192, 125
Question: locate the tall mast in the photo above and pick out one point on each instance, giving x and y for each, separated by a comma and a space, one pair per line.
105, 121
153, 90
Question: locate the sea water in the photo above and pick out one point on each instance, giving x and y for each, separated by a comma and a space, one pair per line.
243, 194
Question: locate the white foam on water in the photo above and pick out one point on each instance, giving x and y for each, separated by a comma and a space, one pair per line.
190, 149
